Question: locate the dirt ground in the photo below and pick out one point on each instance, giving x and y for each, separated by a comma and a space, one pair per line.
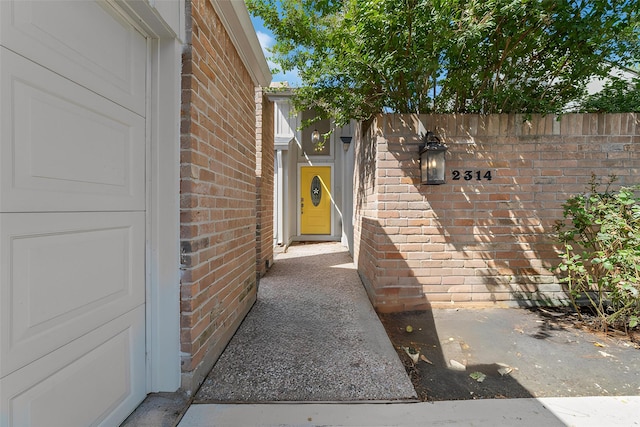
511, 353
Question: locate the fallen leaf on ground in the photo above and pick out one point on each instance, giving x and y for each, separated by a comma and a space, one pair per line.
478, 376
604, 354
424, 359
505, 370
599, 344
414, 356
457, 365
551, 313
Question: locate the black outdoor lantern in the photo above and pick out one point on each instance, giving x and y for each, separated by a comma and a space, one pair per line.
432, 160
346, 136
346, 141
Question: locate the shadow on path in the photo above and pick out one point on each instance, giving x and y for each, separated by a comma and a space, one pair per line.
523, 353
448, 370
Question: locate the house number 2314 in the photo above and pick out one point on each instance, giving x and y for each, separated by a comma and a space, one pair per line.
469, 175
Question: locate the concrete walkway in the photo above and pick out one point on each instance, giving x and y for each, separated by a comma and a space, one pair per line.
312, 336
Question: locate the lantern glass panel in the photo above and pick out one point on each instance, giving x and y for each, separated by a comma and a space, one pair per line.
432, 164
436, 167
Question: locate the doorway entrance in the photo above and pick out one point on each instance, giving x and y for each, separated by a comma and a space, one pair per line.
315, 200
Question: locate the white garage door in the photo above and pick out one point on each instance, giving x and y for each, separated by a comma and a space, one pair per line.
72, 214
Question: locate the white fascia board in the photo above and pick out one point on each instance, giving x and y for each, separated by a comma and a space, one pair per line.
279, 95
236, 20
159, 18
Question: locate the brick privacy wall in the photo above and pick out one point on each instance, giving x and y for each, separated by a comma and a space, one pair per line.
366, 234
477, 242
217, 193
265, 152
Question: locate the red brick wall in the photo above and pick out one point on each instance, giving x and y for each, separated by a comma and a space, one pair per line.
265, 152
217, 193
366, 233
477, 241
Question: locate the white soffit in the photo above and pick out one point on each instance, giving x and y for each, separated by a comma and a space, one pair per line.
236, 20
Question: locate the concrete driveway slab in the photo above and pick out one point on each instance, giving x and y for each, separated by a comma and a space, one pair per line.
547, 412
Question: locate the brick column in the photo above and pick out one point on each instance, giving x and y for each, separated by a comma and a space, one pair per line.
217, 193
265, 152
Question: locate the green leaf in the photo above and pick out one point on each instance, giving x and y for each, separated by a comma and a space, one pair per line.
478, 376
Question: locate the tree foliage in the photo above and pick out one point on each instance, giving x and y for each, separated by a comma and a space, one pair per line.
617, 96
357, 58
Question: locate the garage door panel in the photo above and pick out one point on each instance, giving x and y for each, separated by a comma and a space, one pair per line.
73, 154
86, 41
64, 148
104, 370
63, 275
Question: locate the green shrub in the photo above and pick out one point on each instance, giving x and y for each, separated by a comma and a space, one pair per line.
601, 260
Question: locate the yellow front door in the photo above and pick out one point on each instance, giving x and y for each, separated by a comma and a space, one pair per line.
315, 200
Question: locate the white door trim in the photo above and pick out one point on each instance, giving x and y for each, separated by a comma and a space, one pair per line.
163, 288
163, 196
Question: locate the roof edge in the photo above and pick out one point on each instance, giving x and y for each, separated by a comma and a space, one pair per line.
236, 20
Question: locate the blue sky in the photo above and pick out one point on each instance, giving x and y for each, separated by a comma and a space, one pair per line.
266, 40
